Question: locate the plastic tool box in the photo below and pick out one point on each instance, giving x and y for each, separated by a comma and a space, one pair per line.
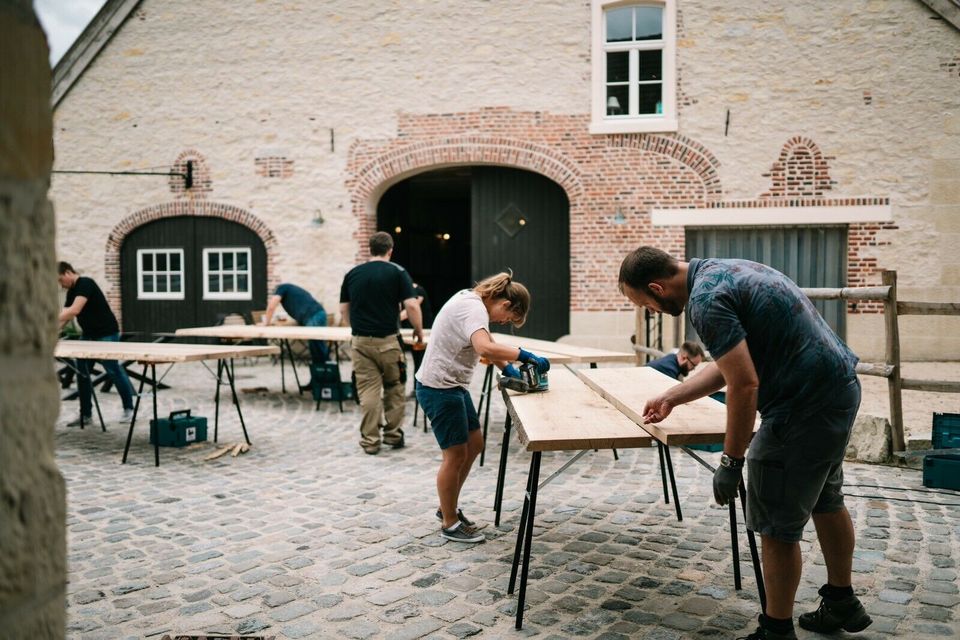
179, 429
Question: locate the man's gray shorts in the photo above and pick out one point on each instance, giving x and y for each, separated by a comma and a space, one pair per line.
795, 466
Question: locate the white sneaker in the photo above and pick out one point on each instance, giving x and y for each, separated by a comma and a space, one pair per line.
126, 416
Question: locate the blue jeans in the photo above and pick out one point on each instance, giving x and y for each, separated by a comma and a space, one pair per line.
319, 352
113, 369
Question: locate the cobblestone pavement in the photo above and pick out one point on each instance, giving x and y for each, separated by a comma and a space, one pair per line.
307, 537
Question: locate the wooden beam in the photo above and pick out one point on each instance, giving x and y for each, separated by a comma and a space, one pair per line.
880, 369
939, 386
848, 293
894, 385
929, 308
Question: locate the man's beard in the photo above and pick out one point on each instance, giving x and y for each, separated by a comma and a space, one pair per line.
672, 307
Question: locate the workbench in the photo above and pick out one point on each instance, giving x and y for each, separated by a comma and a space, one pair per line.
592, 409
150, 354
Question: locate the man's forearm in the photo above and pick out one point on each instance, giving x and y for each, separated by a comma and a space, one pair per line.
741, 416
414, 315
703, 384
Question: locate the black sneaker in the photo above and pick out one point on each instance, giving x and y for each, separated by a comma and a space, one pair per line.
399, 444
79, 422
463, 519
762, 633
461, 533
846, 613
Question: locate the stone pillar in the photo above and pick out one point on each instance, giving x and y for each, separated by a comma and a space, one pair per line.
32, 493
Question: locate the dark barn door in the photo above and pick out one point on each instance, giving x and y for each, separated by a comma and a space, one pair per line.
810, 256
521, 220
187, 271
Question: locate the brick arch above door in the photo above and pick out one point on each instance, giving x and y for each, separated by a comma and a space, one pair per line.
182, 208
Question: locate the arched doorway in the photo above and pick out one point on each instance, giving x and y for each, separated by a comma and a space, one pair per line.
460, 224
187, 271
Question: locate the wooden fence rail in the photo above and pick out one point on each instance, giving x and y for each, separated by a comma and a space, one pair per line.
891, 368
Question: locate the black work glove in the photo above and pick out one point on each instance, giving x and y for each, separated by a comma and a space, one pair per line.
726, 484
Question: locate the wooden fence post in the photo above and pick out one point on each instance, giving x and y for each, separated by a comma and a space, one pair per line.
894, 384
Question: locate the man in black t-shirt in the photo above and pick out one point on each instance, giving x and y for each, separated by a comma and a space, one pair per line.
370, 300
86, 302
304, 308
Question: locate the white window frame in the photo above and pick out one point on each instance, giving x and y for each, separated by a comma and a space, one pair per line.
230, 295
154, 295
667, 121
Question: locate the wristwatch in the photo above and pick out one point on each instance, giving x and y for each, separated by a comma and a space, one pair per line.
733, 463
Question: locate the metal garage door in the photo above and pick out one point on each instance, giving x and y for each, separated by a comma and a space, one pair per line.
811, 256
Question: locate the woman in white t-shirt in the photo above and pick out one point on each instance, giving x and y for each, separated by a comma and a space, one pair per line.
459, 338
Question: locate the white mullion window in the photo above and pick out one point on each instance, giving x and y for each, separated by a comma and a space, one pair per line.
634, 66
160, 274
227, 273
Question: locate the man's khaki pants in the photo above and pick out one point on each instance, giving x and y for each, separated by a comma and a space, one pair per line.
376, 362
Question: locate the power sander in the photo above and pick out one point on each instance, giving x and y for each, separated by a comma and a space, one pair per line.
529, 381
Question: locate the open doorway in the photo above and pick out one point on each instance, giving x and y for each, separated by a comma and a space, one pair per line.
428, 216
455, 226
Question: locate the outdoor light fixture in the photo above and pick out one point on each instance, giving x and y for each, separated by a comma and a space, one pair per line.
318, 218
619, 218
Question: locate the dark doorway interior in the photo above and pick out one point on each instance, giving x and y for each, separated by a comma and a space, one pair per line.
428, 216
453, 227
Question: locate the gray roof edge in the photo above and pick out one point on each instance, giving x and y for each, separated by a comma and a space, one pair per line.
91, 41
949, 10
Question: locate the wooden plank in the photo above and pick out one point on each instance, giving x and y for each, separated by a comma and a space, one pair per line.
929, 308
576, 353
268, 332
702, 421
939, 386
847, 293
155, 352
880, 369
570, 417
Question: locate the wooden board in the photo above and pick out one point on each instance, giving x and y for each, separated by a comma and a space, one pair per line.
575, 353
269, 332
155, 352
702, 421
571, 417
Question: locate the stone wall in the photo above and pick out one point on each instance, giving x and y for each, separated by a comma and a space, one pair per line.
289, 104
32, 494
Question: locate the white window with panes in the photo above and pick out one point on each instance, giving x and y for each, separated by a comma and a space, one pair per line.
226, 274
160, 274
634, 67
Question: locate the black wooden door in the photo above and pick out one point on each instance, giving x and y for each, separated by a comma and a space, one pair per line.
810, 256
521, 220
188, 271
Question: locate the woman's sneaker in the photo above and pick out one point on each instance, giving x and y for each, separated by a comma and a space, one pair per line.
461, 533
463, 519
844, 613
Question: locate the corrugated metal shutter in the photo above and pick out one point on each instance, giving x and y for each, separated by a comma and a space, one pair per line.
811, 256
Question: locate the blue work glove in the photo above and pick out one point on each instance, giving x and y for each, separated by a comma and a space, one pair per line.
726, 484
542, 364
510, 371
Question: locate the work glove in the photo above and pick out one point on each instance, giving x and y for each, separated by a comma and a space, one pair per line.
510, 371
726, 484
542, 364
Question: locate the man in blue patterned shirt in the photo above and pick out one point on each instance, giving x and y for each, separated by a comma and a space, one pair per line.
776, 355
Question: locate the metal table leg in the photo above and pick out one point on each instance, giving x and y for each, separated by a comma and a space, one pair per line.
525, 536
502, 474
673, 482
216, 401
486, 395
153, 425
233, 389
136, 409
754, 555
663, 473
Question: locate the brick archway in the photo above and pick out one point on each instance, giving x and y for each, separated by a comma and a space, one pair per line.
376, 175
182, 208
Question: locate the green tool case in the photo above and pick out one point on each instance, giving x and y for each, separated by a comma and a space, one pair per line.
179, 430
